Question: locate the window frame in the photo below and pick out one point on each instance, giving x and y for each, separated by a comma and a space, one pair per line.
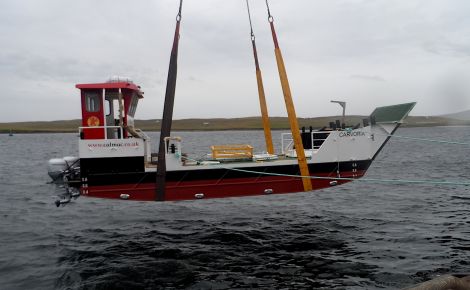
92, 102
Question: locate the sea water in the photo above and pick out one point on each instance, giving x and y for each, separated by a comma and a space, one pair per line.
357, 236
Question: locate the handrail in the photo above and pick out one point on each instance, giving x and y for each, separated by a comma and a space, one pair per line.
319, 139
80, 130
290, 141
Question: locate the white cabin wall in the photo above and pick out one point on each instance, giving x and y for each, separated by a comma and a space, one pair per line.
111, 148
358, 144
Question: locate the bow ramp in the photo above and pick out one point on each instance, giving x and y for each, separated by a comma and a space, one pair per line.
385, 121
391, 115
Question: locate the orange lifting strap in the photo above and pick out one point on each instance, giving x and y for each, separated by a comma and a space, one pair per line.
262, 98
294, 126
170, 98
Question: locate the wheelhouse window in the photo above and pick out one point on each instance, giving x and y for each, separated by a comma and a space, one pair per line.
107, 108
92, 102
133, 106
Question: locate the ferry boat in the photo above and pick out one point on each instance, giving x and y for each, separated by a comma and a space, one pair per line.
115, 158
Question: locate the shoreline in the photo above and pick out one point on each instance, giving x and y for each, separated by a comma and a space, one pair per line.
220, 124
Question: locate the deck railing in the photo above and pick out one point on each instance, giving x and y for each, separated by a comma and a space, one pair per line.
316, 138
113, 129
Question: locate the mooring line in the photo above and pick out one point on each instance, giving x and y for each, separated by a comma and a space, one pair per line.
423, 139
373, 180
370, 180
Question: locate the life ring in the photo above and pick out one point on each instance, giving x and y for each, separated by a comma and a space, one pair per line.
93, 121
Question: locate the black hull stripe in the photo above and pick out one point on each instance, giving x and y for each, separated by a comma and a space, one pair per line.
132, 177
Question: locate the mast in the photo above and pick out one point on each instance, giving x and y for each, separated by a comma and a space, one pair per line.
167, 112
294, 126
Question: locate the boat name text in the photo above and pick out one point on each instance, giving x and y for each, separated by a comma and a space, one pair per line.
352, 134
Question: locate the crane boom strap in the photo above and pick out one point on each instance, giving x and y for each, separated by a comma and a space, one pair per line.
294, 125
262, 98
167, 117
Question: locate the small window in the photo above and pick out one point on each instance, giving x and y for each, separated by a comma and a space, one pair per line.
92, 102
133, 106
107, 108
116, 111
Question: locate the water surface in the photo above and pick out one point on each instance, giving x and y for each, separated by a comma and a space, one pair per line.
357, 236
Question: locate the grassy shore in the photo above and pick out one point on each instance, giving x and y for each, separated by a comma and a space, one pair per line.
247, 123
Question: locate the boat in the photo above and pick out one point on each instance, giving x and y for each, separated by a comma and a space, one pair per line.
11, 133
115, 158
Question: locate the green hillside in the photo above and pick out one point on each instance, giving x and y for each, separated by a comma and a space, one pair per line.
247, 123
464, 115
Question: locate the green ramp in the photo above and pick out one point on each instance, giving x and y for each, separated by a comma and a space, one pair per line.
392, 114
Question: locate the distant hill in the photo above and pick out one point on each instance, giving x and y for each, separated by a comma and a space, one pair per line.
465, 116
247, 123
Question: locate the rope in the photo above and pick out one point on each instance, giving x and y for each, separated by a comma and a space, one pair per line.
424, 139
270, 17
249, 18
178, 16
370, 180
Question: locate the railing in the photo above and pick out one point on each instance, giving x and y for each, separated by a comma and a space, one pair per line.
287, 138
113, 129
316, 139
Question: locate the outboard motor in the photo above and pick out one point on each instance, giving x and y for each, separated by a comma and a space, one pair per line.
58, 168
65, 172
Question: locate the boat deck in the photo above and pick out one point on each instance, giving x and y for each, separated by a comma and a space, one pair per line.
233, 162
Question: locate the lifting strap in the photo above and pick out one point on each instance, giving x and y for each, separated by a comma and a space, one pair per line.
262, 98
167, 117
294, 126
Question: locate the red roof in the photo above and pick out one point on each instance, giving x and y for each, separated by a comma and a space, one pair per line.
111, 85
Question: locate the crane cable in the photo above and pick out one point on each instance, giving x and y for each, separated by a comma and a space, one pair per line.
270, 17
249, 19
262, 97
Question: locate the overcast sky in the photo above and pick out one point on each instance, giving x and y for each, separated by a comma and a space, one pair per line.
366, 52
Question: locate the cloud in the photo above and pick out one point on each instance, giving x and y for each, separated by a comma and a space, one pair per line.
368, 78
369, 53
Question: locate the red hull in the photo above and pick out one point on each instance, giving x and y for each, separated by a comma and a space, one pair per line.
191, 190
